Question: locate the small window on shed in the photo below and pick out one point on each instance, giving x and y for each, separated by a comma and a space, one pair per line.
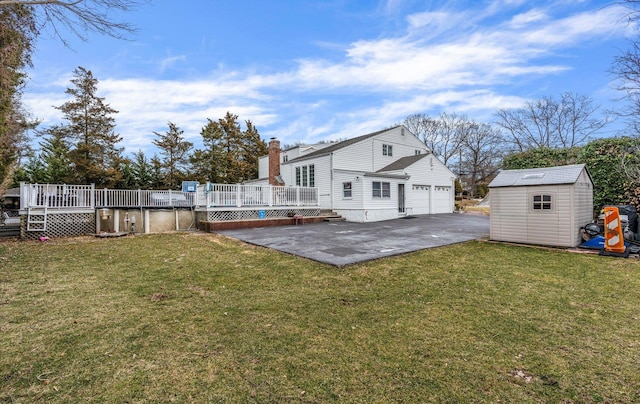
542, 203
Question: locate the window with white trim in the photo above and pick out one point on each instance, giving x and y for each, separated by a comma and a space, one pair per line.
418, 152
347, 190
387, 150
381, 189
542, 203
306, 176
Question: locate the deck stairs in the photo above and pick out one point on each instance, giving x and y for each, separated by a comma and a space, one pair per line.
37, 218
331, 216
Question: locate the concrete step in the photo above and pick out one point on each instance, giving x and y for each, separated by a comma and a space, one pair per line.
336, 218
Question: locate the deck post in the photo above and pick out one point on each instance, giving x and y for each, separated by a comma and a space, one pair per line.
170, 204
238, 201
297, 196
92, 196
271, 196
116, 220
146, 222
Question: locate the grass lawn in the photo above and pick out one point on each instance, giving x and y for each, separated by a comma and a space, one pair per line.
189, 317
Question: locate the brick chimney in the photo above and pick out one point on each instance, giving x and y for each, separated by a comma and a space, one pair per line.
274, 161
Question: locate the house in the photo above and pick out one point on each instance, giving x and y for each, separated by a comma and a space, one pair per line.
378, 176
545, 206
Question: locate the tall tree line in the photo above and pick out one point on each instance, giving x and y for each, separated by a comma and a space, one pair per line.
21, 22
83, 149
475, 150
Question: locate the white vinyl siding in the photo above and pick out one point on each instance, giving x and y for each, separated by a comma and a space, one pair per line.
438, 198
321, 177
367, 156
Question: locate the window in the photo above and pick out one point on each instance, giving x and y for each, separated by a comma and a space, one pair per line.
387, 150
285, 158
306, 176
542, 203
381, 189
346, 190
418, 152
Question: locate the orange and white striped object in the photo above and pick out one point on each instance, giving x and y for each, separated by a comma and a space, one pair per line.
613, 238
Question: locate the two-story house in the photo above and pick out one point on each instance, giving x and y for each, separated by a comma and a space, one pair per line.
379, 176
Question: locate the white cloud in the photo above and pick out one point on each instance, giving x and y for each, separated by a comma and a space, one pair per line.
444, 60
171, 61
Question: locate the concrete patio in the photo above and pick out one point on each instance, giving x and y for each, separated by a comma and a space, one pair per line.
345, 243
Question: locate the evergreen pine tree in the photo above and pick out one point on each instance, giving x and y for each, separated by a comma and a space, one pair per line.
174, 150
90, 131
230, 155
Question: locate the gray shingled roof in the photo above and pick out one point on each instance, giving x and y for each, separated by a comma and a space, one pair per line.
402, 163
339, 145
538, 176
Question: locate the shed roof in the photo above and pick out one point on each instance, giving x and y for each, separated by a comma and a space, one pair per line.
539, 176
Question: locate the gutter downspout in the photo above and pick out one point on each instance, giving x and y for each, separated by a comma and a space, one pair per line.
331, 182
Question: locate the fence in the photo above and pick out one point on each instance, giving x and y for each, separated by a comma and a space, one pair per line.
226, 195
206, 195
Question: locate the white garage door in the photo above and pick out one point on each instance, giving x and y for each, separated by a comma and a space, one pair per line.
442, 199
419, 202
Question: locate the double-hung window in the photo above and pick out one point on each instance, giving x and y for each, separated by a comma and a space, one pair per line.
381, 189
346, 190
387, 150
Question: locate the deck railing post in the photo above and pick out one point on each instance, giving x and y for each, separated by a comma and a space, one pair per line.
271, 195
238, 201
92, 196
297, 196
139, 197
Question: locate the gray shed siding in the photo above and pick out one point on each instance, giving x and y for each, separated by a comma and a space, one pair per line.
513, 219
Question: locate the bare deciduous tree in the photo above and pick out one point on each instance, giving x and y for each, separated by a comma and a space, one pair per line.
80, 16
442, 135
626, 66
547, 122
481, 154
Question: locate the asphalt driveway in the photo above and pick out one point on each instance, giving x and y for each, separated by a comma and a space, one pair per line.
344, 243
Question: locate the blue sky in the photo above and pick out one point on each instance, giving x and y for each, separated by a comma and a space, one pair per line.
320, 70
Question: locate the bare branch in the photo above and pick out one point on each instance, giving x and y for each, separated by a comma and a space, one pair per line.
546, 122
80, 16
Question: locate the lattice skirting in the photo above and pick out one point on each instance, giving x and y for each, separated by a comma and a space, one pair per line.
235, 215
62, 225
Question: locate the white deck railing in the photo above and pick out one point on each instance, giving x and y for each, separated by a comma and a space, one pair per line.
234, 195
207, 195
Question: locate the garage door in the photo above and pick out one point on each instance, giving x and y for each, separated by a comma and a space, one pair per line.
419, 199
442, 200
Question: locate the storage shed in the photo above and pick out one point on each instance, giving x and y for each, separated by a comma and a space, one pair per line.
545, 206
